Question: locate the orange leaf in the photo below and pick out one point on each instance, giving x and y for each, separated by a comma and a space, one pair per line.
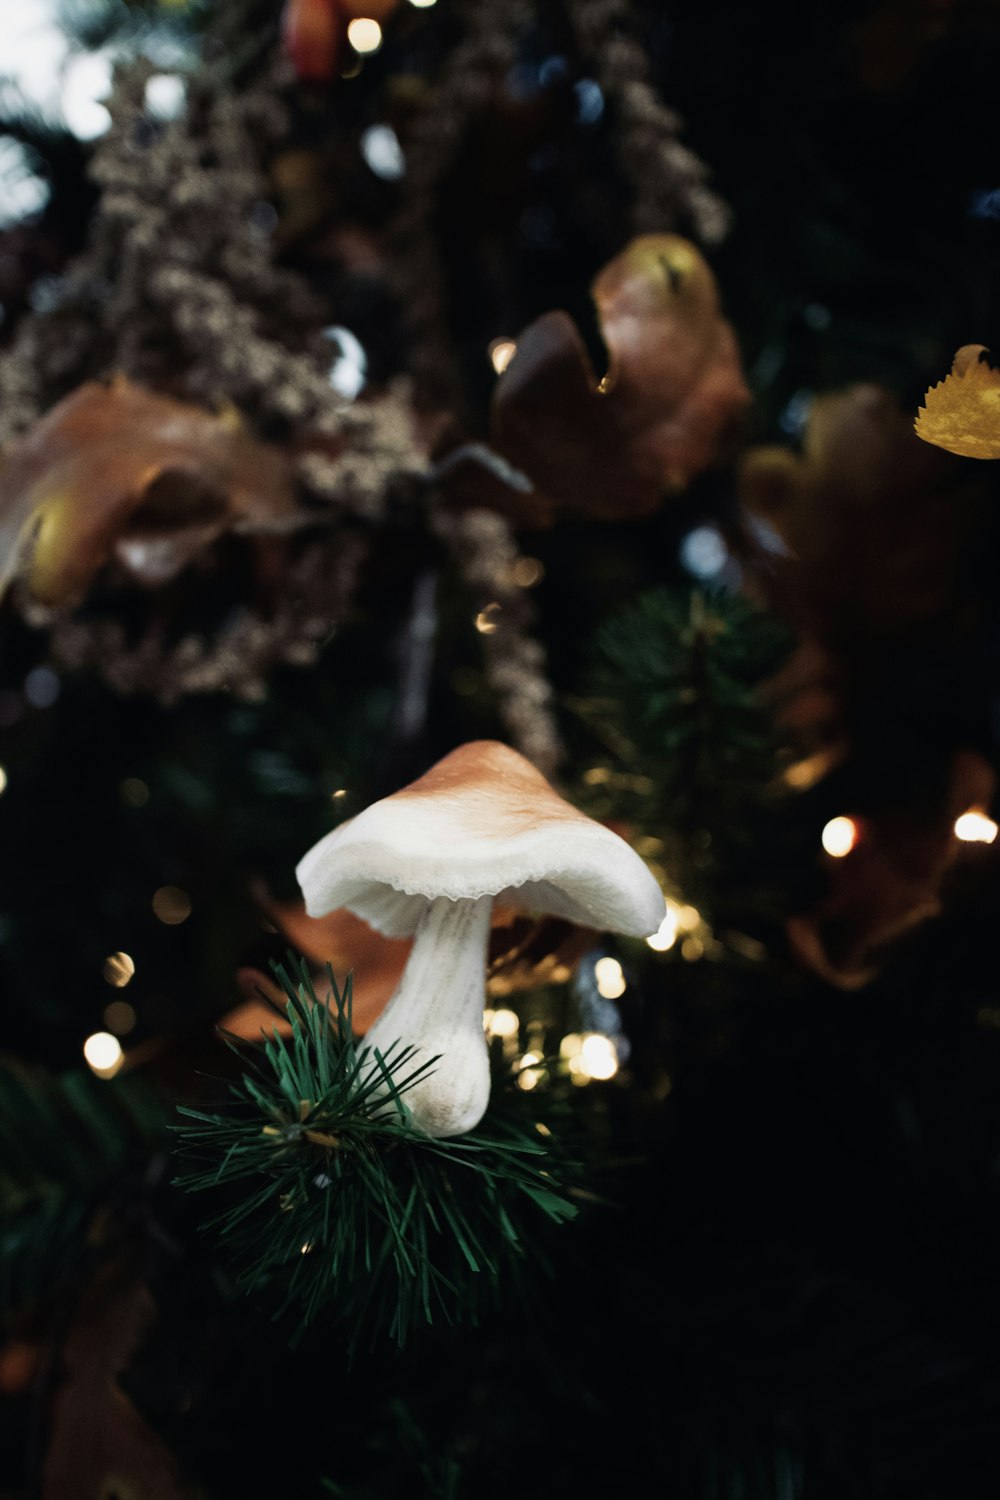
673, 389
116, 472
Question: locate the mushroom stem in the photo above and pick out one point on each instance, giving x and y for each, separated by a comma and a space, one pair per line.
438, 1009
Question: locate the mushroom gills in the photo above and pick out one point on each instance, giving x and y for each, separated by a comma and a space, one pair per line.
437, 1008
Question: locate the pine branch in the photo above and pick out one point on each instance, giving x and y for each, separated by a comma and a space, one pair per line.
674, 698
332, 1199
65, 1144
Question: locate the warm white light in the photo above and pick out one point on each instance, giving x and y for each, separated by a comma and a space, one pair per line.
610, 978
976, 828
422, 4
503, 1023
527, 571
597, 775
338, 794
103, 1053
3, 778
529, 1076
118, 969
665, 935
598, 1056
486, 619
120, 1017
364, 35
840, 836
571, 1044
171, 905
501, 352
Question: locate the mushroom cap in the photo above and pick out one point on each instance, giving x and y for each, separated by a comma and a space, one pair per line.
481, 822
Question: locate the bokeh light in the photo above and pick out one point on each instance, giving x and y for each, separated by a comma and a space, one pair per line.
364, 35
118, 969
839, 837
610, 978
103, 1054
975, 827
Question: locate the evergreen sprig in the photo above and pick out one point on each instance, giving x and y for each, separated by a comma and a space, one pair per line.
676, 696
335, 1201
65, 1143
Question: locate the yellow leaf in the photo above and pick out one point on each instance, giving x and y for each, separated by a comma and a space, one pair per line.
963, 410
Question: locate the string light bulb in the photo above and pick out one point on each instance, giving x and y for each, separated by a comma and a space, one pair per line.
610, 978
3, 778
839, 837
501, 352
529, 1076
103, 1054
598, 1056
365, 35
502, 1023
118, 969
974, 827
485, 621
120, 1017
527, 571
665, 935
171, 905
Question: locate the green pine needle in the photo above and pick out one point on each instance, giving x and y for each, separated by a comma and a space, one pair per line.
333, 1200
675, 698
66, 1144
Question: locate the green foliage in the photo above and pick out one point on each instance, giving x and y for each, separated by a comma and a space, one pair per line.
674, 696
65, 1144
402, 1449
333, 1199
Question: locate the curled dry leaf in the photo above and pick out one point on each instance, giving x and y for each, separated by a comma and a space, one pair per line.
524, 953
962, 413
611, 447
890, 882
118, 473
99, 1445
869, 519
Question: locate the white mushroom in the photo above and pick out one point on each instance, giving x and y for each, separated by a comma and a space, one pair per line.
481, 825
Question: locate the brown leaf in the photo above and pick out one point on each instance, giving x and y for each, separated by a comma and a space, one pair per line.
870, 519
115, 472
672, 392
524, 952
963, 410
890, 882
339, 939
99, 1445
